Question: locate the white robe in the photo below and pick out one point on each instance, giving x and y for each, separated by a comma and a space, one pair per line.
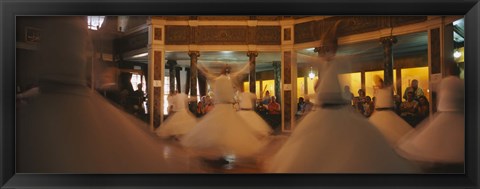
337, 140
252, 119
222, 131
180, 122
76, 130
390, 125
440, 139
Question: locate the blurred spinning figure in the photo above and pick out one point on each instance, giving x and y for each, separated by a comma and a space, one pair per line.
180, 121
335, 139
392, 126
70, 128
222, 132
440, 140
253, 120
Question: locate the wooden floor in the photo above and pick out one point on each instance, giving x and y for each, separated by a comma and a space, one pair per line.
180, 155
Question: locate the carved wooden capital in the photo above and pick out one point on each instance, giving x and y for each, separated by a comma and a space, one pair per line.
252, 54
171, 63
194, 54
325, 50
390, 40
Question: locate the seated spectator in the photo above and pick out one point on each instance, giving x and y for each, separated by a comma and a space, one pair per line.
408, 109
267, 98
368, 107
274, 114
423, 110
273, 106
308, 105
358, 105
300, 106
417, 92
397, 103
361, 95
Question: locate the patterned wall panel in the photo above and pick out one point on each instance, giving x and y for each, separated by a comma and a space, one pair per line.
304, 32
177, 35
287, 96
157, 75
223, 17
268, 35
359, 24
176, 18
287, 67
157, 34
404, 20
313, 30
251, 35
269, 18
221, 35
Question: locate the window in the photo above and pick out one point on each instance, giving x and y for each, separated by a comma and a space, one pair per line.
137, 79
353, 80
95, 22
418, 73
166, 91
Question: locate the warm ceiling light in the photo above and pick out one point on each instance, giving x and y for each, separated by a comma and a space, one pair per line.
311, 75
457, 54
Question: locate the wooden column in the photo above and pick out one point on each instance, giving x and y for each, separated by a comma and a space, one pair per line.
251, 56
193, 72
277, 76
288, 89
435, 65
171, 70
156, 65
399, 82
202, 84
187, 81
177, 78
387, 43
448, 59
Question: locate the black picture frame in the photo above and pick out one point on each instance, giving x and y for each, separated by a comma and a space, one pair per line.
10, 9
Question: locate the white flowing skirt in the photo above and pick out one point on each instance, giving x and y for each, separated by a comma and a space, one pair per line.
255, 122
438, 140
222, 132
392, 126
78, 131
178, 124
337, 141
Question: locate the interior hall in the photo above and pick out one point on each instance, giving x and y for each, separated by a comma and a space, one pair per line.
240, 94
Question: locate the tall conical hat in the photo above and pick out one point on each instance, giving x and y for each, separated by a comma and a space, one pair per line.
384, 98
451, 94
329, 90
63, 50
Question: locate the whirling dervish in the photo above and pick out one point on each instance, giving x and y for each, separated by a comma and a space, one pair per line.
246, 111
180, 122
440, 141
386, 120
334, 138
70, 128
222, 132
